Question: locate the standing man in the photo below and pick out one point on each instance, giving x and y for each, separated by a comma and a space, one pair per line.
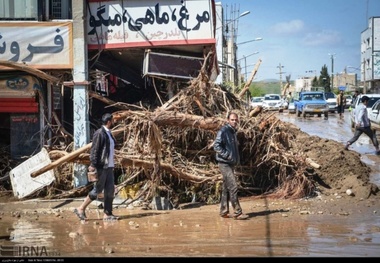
289, 97
363, 124
356, 94
227, 156
102, 163
341, 101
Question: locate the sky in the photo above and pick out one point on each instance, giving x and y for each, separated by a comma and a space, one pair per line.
300, 36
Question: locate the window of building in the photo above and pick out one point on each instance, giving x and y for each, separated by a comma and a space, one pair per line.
35, 10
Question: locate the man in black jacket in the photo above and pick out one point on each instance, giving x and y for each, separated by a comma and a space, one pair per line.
102, 163
227, 156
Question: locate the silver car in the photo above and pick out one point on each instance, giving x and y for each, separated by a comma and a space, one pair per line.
374, 115
291, 107
256, 101
273, 102
348, 101
331, 101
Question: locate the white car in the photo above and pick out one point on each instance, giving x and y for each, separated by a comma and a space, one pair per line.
372, 99
374, 116
285, 103
256, 101
331, 101
273, 102
348, 101
291, 107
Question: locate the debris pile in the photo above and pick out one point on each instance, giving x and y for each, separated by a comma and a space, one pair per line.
168, 151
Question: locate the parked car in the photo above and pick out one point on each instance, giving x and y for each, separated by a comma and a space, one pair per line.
256, 101
374, 116
310, 103
285, 103
331, 101
291, 106
348, 101
372, 99
273, 102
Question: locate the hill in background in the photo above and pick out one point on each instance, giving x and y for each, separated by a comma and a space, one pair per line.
260, 88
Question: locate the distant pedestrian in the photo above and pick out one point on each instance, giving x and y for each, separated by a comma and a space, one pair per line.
363, 125
341, 102
356, 94
289, 97
227, 156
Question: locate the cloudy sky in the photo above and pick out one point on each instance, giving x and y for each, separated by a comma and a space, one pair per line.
300, 35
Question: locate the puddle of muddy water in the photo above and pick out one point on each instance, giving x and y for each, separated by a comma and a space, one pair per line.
272, 230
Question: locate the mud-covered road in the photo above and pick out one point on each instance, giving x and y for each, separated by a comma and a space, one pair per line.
330, 226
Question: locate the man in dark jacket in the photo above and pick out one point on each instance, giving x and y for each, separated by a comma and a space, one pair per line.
227, 156
102, 163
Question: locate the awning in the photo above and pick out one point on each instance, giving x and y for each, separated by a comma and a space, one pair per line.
13, 105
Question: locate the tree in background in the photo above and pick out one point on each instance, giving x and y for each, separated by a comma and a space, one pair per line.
259, 89
256, 91
315, 82
324, 79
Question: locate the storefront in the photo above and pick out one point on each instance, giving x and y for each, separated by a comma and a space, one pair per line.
19, 114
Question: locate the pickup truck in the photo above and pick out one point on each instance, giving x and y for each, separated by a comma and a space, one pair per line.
310, 103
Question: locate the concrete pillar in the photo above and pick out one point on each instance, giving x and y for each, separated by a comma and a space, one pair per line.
80, 77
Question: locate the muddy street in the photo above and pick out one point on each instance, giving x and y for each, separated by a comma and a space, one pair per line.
324, 226
339, 130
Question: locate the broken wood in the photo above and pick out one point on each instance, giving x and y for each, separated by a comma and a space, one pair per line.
170, 169
66, 158
163, 118
253, 74
312, 163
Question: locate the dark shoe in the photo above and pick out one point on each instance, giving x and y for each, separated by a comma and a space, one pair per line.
241, 217
377, 152
111, 218
346, 147
81, 216
226, 215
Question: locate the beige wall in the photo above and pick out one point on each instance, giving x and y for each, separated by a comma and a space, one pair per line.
349, 80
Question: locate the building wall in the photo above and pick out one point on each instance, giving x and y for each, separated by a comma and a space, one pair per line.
303, 84
370, 56
219, 39
348, 80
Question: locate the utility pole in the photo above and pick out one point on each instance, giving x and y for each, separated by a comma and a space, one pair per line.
281, 72
332, 71
364, 79
245, 68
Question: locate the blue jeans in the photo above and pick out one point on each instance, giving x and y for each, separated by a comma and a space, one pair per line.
229, 190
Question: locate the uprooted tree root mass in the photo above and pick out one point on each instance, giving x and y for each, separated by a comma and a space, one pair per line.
169, 151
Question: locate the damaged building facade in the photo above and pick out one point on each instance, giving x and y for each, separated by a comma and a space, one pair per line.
59, 58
